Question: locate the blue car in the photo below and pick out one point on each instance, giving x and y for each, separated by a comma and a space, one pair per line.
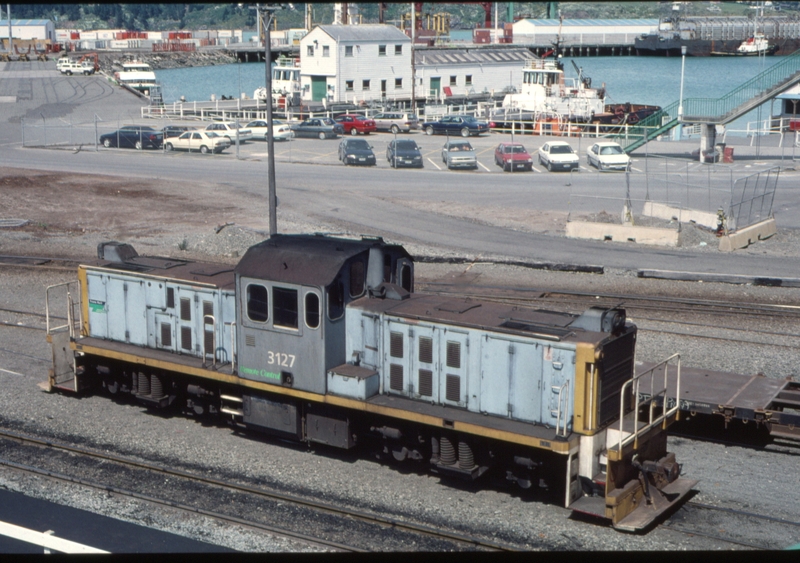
464, 125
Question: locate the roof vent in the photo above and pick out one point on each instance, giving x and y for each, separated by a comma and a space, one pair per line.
114, 251
599, 319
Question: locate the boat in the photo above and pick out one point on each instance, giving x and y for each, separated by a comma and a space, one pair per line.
136, 75
286, 89
546, 90
756, 45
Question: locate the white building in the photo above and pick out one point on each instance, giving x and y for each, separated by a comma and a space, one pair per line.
581, 32
26, 30
443, 73
354, 63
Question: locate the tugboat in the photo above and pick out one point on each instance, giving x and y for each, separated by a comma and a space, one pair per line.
756, 45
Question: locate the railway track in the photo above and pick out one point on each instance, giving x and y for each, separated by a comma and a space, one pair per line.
194, 493
727, 524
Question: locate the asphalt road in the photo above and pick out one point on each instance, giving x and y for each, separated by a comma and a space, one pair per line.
371, 200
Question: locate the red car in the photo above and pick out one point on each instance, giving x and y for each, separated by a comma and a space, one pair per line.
355, 124
512, 156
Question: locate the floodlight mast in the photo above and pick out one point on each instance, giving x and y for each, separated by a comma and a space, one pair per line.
267, 13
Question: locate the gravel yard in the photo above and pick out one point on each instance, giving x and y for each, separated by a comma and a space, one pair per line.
158, 220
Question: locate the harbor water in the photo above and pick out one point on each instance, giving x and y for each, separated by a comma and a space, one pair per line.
640, 80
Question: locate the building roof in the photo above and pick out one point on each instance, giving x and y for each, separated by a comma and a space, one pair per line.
475, 56
24, 22
365, 32
598, 23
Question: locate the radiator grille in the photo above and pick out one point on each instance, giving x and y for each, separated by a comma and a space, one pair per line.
396, 377
396, 344
426, 383
454, 355
186, 309
186, 337
453, 392
166, 335
249, 340
426, 349
615, 369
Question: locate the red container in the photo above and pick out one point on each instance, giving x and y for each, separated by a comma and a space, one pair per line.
794, 125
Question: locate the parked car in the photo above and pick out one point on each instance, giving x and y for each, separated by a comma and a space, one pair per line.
228, 129
464, 125
200, 141
280, 130
512, 156
558, 155
459, 154
321, 127
356, 151
396, 122
133, 137
404, 153
72, 67
355, 124
608, 156
175, 130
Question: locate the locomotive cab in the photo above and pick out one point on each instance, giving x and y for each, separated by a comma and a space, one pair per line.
292, 294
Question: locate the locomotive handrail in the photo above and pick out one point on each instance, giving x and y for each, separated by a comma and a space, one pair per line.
558, 412
661, 393
70, 324
232, 324
213, 340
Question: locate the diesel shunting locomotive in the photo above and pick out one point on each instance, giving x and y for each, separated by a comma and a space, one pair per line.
323, 339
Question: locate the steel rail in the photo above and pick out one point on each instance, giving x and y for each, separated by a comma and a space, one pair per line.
171, 504
291, 499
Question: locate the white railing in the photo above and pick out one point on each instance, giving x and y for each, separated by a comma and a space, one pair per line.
70, 324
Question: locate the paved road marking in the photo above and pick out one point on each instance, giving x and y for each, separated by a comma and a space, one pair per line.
46, 540
9, 371
482, 166
436, 165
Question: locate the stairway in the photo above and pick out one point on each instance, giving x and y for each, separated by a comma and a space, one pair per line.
762, 87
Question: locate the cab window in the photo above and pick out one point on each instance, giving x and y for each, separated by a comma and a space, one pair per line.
284, 307
257, 303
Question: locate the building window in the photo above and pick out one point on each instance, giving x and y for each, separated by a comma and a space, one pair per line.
365, 84
310, 50
468, 80
381, 50
453, 81
348, 85
326, 51
398, 49
398, 83
348, 51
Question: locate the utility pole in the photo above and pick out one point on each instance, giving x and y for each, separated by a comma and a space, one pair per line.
413, 66
267, 13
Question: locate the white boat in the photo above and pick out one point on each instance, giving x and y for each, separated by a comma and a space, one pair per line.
285, 83
756, 45
546, 90
137, 75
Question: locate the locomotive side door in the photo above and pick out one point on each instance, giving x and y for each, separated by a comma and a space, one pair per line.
453, 370
424, 359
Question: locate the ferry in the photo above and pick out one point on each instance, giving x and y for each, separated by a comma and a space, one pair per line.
545, 90
286, 89
136, 75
